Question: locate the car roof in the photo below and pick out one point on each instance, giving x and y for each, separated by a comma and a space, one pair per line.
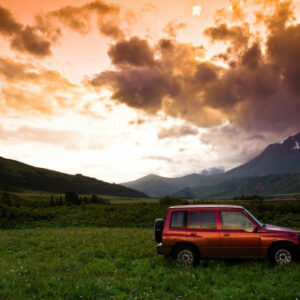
207, 206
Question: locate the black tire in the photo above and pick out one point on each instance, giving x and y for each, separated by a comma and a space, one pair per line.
281, 255
186, 255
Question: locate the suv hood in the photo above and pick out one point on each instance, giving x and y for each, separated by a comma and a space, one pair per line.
274, 228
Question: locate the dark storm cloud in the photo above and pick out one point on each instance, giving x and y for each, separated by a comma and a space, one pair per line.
23, 38
151, 84
206, 72
251, 57
259, 90
134, 52
284, 51
139, 87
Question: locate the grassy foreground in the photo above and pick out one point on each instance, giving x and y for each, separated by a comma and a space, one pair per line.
102, 263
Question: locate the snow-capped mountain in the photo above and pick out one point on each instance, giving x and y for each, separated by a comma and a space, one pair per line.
278, 158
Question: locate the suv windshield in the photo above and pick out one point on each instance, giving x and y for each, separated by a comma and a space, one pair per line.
258, 222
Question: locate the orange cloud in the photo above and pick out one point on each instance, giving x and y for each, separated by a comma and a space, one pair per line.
23, 38
29, 89
38, 39
256, 91
78, 18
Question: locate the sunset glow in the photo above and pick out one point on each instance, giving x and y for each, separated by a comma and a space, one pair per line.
121, 89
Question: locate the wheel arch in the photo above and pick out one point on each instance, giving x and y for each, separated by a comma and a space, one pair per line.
182, 244
282, 243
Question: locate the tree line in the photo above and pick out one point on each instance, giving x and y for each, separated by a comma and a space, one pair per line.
69, 198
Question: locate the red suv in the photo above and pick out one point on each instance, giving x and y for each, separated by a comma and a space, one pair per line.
193, 231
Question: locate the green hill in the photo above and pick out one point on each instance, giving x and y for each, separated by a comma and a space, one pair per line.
18, 176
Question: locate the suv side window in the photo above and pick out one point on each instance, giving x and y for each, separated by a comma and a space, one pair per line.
202, 220
194, 220
235, 220
208, 220
178, 219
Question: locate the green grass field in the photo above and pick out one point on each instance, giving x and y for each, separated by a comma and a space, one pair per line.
101, 263
127, 200
38, 197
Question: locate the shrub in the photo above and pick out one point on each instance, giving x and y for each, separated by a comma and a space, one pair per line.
171, 201
72, 198
99, 200
5, 199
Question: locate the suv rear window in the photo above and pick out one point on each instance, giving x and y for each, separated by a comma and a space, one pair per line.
178, 219
202, 220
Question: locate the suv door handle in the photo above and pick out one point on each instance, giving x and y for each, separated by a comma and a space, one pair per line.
226, 234
195, 234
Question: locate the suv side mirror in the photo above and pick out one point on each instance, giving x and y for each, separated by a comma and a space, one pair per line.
255, 229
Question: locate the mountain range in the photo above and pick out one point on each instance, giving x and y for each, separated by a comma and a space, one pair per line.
275, 171
17, 176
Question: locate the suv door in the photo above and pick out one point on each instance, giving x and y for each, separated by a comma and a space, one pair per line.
237, 236
203, 232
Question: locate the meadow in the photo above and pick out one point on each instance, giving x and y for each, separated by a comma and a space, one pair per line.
107, 251
120, 263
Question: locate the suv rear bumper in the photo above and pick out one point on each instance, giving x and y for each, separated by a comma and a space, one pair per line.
160, 249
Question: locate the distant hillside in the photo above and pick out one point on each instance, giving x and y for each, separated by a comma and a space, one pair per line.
18, 175
278, 158
158, 186
234, 187
155, 185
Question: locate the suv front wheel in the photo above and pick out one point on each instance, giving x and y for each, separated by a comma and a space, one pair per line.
281, 255
186, 255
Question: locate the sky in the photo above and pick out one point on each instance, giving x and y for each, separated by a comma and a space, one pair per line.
121, 89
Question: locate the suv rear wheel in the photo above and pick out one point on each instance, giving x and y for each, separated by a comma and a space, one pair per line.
186, 256
281, 255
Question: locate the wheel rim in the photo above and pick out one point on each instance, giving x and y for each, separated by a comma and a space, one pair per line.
283, 257
185, 257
